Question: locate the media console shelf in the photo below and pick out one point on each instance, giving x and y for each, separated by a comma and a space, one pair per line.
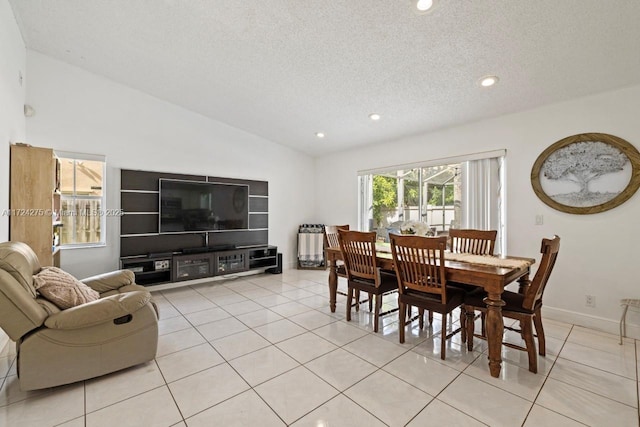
263, 257
148, 270
230, 262
192, 266
179, 267
161, 257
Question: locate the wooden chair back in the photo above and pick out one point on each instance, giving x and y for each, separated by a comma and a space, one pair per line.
419, 263
470, 241
534, 291
331, 235
359, 255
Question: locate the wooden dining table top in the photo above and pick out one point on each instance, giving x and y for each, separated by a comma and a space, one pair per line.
490, 277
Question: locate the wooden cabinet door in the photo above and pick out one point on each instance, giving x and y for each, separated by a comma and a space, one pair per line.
31, 199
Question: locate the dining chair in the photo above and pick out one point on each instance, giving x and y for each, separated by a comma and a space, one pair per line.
420, 272
524, 307
331, 241
475, 242
363, 274
471, 241
331, 235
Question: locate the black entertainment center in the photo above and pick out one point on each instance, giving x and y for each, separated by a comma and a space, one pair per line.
179, 227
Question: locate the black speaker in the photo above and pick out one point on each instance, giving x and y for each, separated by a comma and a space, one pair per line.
278, 268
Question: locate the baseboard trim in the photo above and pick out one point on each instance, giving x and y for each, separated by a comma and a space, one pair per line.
589, 321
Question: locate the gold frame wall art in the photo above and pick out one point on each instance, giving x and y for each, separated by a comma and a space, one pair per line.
586, 173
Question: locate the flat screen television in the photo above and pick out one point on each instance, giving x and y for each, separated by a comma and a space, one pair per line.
196, 206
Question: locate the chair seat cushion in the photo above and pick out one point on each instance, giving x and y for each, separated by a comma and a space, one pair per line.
513, 301
388, 282
455, 298
62, 289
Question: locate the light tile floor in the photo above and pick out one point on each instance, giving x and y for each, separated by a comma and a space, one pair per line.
266, 350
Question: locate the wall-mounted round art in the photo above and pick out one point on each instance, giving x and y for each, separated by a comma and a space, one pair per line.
587, 173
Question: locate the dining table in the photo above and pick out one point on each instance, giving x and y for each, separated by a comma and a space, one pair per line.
491, 275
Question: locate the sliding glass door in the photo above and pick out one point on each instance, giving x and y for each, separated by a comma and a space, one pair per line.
451, 194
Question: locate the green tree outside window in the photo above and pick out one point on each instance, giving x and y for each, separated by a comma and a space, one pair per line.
385, 195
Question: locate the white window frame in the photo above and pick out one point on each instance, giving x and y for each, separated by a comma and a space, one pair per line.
364, 200
103, 199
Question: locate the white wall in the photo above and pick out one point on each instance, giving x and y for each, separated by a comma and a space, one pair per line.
599, 253
82, 112
12, 93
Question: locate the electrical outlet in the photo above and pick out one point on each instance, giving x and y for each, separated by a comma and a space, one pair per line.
539, 220
590, 301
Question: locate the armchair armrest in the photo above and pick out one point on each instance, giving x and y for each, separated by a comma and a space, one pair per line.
110, 281
99, 311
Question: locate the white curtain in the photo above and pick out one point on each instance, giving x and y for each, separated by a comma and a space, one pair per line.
366, 203
482, 197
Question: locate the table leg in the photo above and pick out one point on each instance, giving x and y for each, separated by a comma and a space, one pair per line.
333, 284
495, 329
523, 284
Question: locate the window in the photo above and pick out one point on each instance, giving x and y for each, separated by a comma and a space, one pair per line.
82, 199
462, 192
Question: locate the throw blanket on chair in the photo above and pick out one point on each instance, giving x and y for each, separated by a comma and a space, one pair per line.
310, 249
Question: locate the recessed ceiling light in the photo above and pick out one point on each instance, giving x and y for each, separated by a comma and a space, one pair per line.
374, 116
424, 5
320, 134
487, 81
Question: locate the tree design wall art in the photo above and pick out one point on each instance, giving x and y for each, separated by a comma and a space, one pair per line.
587, 173
581, 163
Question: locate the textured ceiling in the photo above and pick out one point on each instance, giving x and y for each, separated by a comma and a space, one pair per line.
286, 69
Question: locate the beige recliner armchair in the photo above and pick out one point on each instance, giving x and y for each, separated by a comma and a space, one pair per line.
58, 347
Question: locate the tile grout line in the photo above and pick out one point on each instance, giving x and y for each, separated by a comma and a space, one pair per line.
339, 347
166, 384
322, 379
578, 386
84, 389
594, 367
339, 393
460, 373
591, 391
635, 345
237, 373
546, 378
125, 399
381, 368
333, 320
